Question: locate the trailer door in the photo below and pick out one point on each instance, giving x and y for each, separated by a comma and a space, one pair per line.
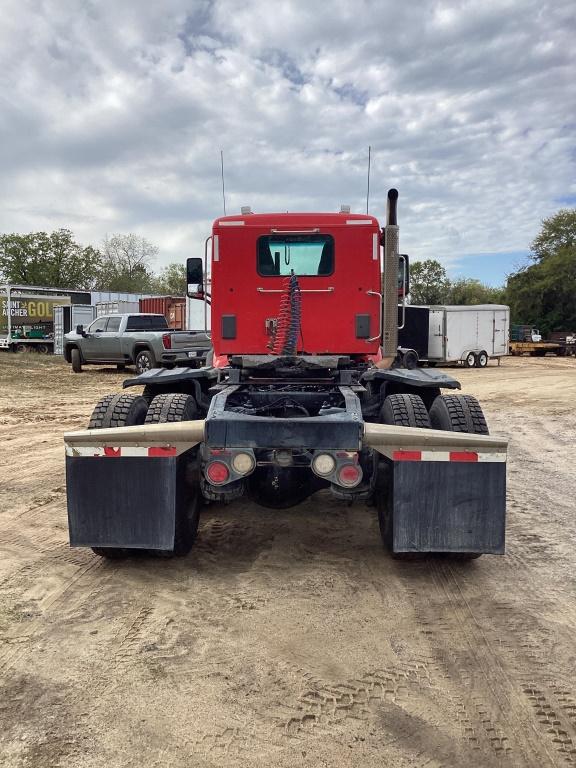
436, 336
500, 336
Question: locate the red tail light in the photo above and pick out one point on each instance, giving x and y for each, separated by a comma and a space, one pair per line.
349, 475
167, 341
217, 472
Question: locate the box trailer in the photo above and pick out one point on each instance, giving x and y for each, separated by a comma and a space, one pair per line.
470, 335
27, 315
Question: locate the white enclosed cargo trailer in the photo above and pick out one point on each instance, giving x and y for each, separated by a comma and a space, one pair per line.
468, 334
66, 318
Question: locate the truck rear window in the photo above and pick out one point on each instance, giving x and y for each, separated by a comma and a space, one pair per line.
146, 323
304, 254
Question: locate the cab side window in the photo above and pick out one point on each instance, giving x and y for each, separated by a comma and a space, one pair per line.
99, 325
114, 324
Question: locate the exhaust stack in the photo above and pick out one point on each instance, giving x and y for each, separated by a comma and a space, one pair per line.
390, 279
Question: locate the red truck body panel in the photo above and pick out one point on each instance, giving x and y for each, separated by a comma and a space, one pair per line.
330, 303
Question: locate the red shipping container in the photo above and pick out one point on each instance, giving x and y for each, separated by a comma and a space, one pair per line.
162, 305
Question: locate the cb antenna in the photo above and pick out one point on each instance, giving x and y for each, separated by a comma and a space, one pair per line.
223, 188
368, 184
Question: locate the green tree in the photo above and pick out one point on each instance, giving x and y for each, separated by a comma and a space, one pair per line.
466, 290
544, 293
126, 264
55, 259
429, 282
172, 280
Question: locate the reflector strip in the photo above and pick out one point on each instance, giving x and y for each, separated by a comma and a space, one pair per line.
462, 456
407, 456
155, 451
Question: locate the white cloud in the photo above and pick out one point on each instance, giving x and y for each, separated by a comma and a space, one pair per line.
112, 116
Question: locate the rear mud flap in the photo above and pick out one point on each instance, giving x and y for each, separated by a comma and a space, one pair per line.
437, 506
131, 502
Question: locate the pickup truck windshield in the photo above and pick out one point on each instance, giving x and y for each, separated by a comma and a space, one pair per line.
146, 323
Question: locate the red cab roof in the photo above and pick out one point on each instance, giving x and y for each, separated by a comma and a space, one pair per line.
296, 220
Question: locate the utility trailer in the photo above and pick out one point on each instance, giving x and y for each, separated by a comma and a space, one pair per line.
304, 390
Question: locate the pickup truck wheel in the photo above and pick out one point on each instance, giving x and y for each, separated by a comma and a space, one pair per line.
171, 407
458, 413
76, 360
145, 361
124, 410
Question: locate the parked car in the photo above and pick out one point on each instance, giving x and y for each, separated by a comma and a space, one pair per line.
139, 339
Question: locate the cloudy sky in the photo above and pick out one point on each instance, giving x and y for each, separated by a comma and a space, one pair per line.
113, 114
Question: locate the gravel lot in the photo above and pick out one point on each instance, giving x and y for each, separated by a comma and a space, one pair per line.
287, 638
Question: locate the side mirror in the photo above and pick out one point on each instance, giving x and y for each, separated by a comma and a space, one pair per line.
80, 330
403, 275
195, 278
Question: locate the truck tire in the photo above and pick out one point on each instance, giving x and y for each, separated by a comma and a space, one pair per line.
123, 410
401, 411
171, 407
145, 361
76, 360
458, 413
482, 359
470, 360
405, 411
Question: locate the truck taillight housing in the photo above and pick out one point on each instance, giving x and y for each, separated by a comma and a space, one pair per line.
167, 341
217, 473
349, 475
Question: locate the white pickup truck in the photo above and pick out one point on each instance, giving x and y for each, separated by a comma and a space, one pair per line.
142, 339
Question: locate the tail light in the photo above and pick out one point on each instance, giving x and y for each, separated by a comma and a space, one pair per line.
217, 472
323, 464
349, 475
167, 341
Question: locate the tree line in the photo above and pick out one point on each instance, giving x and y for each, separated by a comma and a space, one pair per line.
542, 293
122, 263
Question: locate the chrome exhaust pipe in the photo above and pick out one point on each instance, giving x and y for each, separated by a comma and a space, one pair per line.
390, 279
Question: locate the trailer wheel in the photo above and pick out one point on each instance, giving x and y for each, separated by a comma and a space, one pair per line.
171, 407
458, 413
76, 360
124, 410
405, 411
481, 359
470, 360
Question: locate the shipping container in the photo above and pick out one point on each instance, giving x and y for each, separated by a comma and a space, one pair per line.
177, 316
167, 306
116, 307
66, 318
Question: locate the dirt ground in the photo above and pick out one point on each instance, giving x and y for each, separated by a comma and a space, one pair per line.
287, 638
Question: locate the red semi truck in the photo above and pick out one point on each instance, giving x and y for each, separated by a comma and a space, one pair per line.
304, 390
